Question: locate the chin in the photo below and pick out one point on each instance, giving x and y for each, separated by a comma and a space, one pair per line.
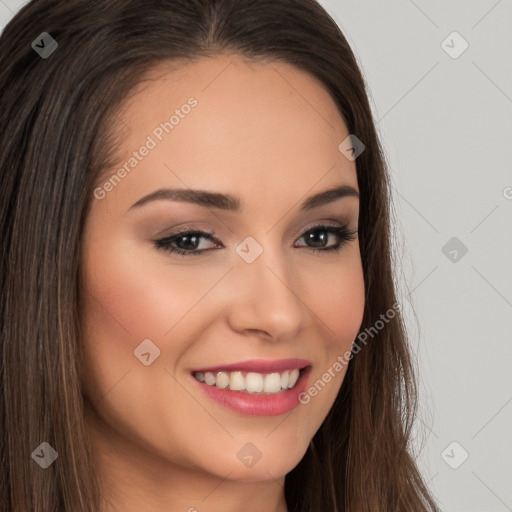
277, 464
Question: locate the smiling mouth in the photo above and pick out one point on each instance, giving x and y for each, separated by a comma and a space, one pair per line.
251, 382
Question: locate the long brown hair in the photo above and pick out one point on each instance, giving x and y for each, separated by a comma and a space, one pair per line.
56, 135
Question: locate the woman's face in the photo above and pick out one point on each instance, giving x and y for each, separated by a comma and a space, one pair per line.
266, 134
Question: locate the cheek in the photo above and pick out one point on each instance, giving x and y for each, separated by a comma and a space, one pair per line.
131, 294
339, 308
122, 305
337, 298
131, 290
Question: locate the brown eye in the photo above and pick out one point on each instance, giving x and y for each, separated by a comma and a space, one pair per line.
184, 242
343, 234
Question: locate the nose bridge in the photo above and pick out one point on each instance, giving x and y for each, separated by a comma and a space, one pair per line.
266, 297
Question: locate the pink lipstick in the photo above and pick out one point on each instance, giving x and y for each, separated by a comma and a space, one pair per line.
255, 387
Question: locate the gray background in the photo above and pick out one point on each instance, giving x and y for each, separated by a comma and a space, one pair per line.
446, 125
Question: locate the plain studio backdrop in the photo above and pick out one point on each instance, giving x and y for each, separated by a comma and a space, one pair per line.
440, 82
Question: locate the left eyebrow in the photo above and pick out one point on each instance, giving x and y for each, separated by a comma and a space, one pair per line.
231, 203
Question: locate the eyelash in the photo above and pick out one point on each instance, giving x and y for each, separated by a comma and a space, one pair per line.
342, 232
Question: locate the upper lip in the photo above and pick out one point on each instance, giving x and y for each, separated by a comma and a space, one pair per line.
259, 366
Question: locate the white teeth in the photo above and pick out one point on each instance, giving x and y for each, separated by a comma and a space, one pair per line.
209, 378
252, 382
222, 380
272, 383
285, 377
237, 381
294, 375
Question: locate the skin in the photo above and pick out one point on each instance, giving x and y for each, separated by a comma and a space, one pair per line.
267, 133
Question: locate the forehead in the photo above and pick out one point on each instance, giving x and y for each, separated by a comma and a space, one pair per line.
256, 126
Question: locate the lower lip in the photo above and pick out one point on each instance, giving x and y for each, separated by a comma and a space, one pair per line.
258, 404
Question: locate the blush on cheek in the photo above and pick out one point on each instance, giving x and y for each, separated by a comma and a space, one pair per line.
123, 295
340, 305
133, 304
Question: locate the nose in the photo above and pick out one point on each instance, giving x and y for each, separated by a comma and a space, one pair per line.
266, 296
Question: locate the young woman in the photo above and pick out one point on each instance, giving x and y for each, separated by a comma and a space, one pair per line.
197, 305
